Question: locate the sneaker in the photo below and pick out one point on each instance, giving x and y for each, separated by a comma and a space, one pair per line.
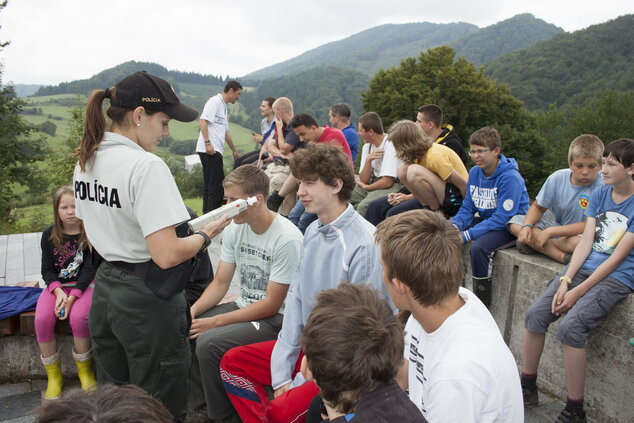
530, 397
567, 416
274, 201
524, 248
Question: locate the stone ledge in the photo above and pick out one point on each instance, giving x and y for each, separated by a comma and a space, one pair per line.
517, 280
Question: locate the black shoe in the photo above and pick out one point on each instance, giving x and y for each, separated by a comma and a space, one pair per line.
567, 416
274, 201
482, 289
530, 397
524, 248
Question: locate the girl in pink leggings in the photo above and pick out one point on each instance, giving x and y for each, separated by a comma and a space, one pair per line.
68, 273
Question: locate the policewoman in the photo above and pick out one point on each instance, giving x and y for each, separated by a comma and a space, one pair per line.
129, 203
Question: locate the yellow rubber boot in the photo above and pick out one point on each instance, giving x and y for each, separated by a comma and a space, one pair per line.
53, 367
85, 371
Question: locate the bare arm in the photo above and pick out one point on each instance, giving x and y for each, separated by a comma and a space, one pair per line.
564, 299
272, 147
266, 307
535, 212
384, 182
365, 173
204, 125
216, 290
232, 146
167, 250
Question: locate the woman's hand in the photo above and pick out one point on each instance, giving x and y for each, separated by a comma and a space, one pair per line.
214, 228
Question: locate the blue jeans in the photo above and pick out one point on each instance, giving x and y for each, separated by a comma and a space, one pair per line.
300, 218
380, 209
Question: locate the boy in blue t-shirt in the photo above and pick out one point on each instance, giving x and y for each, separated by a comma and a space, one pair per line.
565, 196
602, 266
496, 192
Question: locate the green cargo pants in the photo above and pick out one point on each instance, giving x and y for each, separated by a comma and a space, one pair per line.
139, 338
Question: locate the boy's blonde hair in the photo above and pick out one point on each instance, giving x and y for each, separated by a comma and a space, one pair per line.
410, 142
586, 146
250, 179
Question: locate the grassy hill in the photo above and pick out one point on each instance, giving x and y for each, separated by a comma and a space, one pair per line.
384, 46
56, 109
571, 68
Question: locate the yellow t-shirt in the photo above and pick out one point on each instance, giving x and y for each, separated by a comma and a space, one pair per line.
443, 161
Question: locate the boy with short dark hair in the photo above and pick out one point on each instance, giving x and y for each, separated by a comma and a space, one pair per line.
338, 246
565, 196
353, 350
495, 192
600, 274
457, 367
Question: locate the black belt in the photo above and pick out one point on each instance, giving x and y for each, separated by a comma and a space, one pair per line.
137, 269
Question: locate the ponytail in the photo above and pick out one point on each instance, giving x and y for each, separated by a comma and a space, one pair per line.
94, 128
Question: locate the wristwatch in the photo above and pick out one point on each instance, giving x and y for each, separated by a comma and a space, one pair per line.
206, 238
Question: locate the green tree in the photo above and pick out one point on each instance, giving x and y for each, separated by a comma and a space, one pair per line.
608, 116
469, 101
183, 148
61, 162
19, 150
48, 127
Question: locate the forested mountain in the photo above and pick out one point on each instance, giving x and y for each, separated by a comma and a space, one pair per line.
571, 68
368, 51
109, 77
506, 36
312, 91
25, 90
384, 46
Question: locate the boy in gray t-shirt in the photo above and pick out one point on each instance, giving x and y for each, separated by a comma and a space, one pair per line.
264, 249
556, 218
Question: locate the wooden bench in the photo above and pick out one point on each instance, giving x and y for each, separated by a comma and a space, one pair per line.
24, 323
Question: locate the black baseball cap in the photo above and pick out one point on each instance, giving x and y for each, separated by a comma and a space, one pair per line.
152, 93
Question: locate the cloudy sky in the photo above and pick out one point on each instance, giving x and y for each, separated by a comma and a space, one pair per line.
53, 41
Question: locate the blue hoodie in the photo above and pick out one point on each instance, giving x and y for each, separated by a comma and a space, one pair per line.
496, 199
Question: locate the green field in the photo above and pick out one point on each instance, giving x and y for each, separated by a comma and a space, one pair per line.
38, 217
178, 130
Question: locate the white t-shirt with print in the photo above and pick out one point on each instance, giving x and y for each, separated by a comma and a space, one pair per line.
260, 258
463, 371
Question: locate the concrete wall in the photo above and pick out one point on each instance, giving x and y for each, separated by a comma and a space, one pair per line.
20, 358
517, 280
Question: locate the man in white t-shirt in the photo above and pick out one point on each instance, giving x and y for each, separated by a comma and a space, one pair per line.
214, 131
456, 365
264, 249
377, 173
